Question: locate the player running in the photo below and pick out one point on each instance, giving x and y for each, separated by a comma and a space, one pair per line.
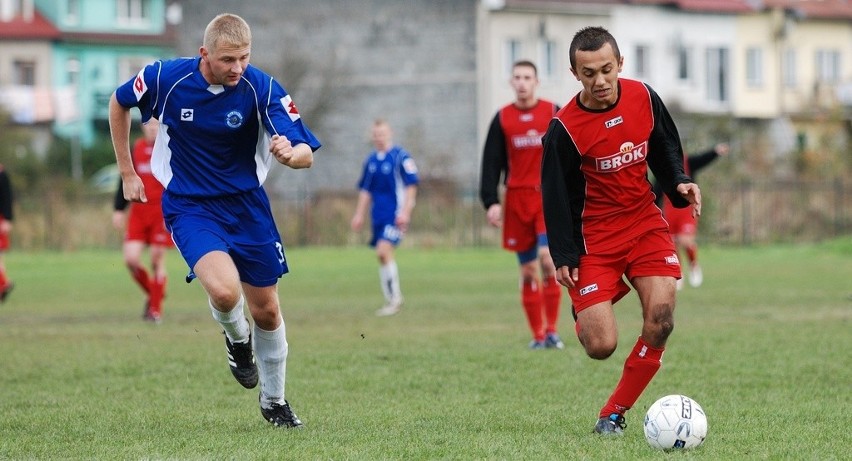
221, 123
388, 181
145, 226
602, 223
513, 152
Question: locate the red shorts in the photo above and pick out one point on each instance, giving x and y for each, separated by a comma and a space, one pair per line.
4, 239
652, 254
523, 219
145, 223
680, 220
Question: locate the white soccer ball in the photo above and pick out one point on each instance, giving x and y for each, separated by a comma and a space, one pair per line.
674, 422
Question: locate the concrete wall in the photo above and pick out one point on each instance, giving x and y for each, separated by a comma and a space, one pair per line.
347, 62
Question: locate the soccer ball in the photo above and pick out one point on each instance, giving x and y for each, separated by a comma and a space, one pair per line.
675, 421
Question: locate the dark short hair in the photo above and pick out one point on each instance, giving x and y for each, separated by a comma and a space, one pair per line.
591, 39
526, 63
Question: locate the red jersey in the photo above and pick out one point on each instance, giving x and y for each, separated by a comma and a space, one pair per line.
513, 149
595, 187
142, 164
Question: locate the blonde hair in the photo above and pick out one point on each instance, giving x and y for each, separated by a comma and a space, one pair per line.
227, 30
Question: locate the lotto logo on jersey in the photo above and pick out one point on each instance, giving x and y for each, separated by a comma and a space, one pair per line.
628, 155
139, 86
532, 138
290, 108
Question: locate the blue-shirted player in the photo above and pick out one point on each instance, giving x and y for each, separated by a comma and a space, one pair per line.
222, 121
389, 181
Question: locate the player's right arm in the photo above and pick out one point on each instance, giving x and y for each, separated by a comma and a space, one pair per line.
494, 164
119, 126
560, 165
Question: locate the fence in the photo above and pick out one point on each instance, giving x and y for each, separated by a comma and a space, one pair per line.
735, 212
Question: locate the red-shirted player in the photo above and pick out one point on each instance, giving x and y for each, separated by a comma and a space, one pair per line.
682, 225
602, 223
145, 226
513, 151
6, 216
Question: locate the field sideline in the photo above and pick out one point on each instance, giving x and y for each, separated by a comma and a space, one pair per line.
764, 346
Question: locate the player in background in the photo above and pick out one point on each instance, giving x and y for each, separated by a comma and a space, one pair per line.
512, 153
144, 226
602, 223
222, 122
7, 201
682, 225
388, 182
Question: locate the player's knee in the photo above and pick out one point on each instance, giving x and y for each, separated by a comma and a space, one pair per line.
223, 298
660, 326
599, 348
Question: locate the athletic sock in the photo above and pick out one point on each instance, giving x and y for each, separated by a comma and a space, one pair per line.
533, 302
639, 368
389, 275
692, 254
156, 295
140, 275
270, 351
552, 299
234, 323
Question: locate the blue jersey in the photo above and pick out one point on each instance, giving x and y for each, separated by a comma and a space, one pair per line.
213, 139
385, 176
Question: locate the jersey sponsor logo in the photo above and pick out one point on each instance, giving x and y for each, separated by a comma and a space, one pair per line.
628, 155
588, 289
526, 117
186, 115
139, 86
409, 166
290, 108
672, 260
532, 138
613, 122
234, 119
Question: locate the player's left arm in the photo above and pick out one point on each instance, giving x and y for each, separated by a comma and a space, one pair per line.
665, 158
410, 179
292, 143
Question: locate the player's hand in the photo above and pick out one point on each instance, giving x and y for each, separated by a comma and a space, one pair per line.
495, 215
356, 223
134, 190
692, 193
567, 276
281, 149
118, 220
402, 221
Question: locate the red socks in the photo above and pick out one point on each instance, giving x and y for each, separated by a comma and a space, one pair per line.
141, 277
155, 296
692, 254
552, 297
532, 300
639, 368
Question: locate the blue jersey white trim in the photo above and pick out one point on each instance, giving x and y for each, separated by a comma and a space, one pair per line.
385, 176
191, 157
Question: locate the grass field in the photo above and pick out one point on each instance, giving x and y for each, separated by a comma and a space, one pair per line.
764, 346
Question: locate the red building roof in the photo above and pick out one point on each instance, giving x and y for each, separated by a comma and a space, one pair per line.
37, 28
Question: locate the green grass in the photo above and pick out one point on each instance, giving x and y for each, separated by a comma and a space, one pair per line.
764, 346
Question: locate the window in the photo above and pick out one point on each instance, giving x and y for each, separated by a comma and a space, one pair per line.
828, 66
133, 12
684, 64
72, 71
129, 66
642, 63
512, 54
789, 68
72, 12
23, 73
549, 64
717, 74
754, 67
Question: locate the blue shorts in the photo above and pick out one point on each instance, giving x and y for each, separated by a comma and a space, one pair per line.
532, 254
386, 231
240, 225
